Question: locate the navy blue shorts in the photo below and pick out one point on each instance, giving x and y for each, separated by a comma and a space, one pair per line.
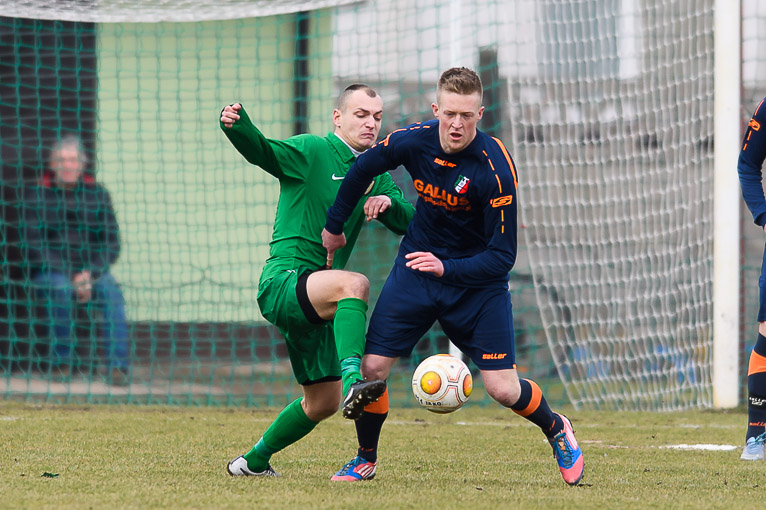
478, 321
762, 288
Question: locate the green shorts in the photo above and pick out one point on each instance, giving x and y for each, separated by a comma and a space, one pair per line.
311, 347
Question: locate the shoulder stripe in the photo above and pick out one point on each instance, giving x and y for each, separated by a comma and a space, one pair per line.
510, 162
753, 125
759, 107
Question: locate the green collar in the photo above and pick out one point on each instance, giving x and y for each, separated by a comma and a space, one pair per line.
340, 147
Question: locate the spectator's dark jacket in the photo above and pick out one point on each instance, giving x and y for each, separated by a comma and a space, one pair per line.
69, 230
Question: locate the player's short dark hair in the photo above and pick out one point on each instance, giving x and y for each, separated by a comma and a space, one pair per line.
460, 80
343, 98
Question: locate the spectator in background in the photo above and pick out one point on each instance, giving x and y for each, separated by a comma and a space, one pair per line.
70, 239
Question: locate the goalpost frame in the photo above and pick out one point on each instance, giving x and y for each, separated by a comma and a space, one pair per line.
726, 200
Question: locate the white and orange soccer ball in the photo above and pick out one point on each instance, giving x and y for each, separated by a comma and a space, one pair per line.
442, 383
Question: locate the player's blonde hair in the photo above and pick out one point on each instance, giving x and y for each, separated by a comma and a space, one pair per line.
459, 80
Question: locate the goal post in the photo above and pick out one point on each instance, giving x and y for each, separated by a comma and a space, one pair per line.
727, 199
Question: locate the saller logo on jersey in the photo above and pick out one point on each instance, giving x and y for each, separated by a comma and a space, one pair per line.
501, 201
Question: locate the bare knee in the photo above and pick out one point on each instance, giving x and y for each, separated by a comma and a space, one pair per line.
356, 285
762, 328
503, 386
376, 367
506, 397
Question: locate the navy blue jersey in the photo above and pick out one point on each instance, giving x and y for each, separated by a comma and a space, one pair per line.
466, 209
750, 162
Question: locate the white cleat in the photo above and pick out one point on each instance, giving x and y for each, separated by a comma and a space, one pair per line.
754, 448
238, 467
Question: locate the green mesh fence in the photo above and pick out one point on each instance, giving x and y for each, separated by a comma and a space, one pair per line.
194, 218
606, 107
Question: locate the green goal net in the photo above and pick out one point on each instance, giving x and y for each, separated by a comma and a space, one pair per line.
142, 84
605, 106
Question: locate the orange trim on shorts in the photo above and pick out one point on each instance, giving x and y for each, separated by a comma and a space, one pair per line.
757, 364
380, 406
534, 402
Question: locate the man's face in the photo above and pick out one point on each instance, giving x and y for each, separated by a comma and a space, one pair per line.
67, 165
358, 123
458, 115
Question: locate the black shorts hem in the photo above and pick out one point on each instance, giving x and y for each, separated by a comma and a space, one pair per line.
329, 378
303, 300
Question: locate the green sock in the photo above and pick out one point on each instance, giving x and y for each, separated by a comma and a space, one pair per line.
291, 425
349, 325
349, 369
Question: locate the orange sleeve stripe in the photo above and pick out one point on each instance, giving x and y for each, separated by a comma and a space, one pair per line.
759, 107
534, 402
753, 124
757, 364
508, 158
385, 140
499, 186
380, 406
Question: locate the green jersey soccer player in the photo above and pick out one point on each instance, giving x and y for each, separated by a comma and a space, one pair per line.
320, 309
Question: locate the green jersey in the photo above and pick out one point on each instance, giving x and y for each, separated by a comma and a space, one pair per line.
310, 170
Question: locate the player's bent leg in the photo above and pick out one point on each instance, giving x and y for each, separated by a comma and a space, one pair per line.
292, 424
525, 398
340, 297
325, 288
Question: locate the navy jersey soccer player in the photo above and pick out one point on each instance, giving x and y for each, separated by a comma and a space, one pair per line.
751, 157
452, 266
465, 216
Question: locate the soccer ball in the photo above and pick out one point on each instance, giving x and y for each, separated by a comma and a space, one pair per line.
442, 383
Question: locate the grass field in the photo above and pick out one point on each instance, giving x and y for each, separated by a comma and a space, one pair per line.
170, 457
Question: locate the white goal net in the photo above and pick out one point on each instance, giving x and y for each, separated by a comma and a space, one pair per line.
615, 141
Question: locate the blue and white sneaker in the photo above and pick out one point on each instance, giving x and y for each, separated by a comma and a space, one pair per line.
355, 471
238, 467
754, 448
568, 454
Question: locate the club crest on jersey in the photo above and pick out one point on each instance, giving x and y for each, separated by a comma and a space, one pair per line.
461, 184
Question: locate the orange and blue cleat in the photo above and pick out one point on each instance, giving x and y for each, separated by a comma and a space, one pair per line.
568, 454
355, 471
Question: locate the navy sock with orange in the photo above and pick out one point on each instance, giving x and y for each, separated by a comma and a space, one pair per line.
369, 426
533, 406
756, 389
